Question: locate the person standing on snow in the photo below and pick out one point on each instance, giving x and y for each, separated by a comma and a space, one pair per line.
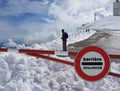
64, 40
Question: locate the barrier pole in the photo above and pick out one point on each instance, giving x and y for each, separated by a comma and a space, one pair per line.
53, 52
3, 49
44, 52
114, 74
114, 56
36, 51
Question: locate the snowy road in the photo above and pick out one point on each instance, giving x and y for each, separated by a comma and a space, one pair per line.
108, 42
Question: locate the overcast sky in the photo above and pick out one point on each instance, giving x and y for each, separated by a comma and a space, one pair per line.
43, 19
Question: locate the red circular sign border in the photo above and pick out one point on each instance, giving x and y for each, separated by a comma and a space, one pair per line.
94, 49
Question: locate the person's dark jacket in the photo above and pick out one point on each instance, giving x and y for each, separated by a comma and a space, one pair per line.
64, 36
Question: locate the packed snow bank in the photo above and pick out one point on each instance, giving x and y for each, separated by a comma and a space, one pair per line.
80, 35
23, 73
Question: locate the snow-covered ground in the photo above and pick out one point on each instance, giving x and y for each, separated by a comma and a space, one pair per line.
19, 72
111, 23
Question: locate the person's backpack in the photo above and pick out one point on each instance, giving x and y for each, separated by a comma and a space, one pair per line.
66, 35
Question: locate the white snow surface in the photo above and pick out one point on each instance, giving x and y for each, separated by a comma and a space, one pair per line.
19, 72
111, 23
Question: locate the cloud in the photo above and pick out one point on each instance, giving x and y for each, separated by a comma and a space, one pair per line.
72, 10
18, 7
10, 43
56, 14
29, 31
9, 31
40, 32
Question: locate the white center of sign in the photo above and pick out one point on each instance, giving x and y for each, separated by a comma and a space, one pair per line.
92, 63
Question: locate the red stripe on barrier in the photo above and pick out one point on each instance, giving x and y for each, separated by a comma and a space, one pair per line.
3, 49
51, 59
114, 74
36, 51
43, 52
114, 56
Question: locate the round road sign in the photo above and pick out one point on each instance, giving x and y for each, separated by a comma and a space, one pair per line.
92, 63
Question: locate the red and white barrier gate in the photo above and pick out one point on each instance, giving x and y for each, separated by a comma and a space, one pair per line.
40, 54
